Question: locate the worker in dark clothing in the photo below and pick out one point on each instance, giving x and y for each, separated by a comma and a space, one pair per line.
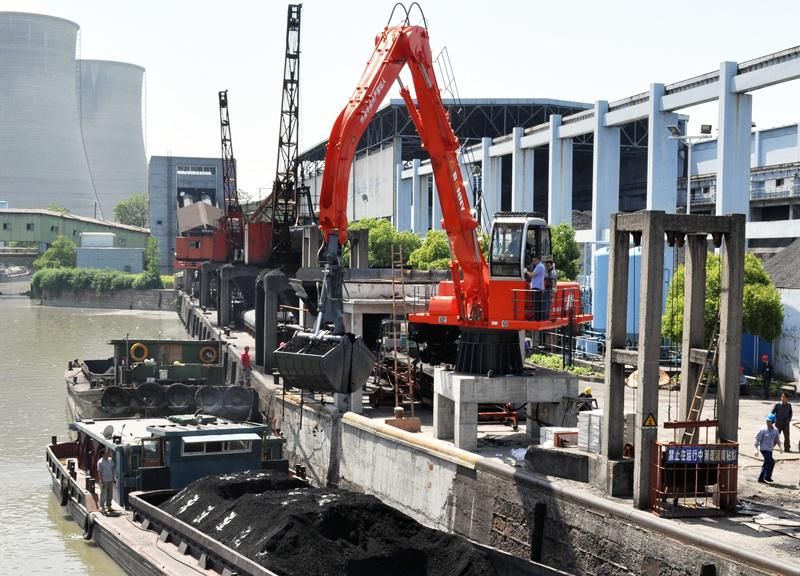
783, 419
585, 400
766, 374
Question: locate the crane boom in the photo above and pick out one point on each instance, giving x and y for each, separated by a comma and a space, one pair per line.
395, 48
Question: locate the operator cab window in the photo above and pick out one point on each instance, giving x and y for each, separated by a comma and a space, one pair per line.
506, 249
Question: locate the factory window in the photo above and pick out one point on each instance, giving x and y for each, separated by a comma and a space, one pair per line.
126, 268
778, 182
29, 226
159, 222
75, 232
706, 190
53, 228
196, 170
6, 225
194, 243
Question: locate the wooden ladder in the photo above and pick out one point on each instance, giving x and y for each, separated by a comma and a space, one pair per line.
708, 373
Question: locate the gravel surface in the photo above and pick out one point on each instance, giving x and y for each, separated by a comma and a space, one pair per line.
293, 529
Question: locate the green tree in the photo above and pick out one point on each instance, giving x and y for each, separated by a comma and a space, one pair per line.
566, 252
762, 311
382, 236
135, 211
60, 254
151, 277
433, 254
53, 207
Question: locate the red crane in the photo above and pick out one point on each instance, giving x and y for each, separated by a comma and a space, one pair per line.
488, 304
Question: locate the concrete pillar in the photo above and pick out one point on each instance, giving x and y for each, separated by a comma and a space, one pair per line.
223, 296
419, 191
694, 298
491, 191
730, 329
614, 405
443, 417
559, 201
733, 146
359, 249
652, 289
465, 435
312, 240
755, 160
605, 181
528, 158
402, 216
662, 156
521, 199
436, 220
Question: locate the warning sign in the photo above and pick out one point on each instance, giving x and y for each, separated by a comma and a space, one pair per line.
650, 422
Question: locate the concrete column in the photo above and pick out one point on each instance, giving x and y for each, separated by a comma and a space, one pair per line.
730, 329
491, 191
694, 297
436, 221
614, 405
755, 160
443, 417
359, 249
528, 158
559, 199
402, 216
521, 200
419, 214
652, 288
465, 434
662, 156
733, 146
605, 180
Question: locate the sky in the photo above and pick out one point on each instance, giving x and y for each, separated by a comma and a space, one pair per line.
581, 50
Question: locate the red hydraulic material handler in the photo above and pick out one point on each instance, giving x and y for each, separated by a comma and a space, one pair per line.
486, 304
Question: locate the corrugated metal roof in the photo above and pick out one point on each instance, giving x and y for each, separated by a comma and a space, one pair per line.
784, 267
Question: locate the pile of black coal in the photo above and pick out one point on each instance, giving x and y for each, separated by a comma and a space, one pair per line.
292, 529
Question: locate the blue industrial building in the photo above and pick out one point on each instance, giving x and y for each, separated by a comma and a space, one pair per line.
179, 181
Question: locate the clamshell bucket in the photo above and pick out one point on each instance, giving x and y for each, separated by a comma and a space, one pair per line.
325, 363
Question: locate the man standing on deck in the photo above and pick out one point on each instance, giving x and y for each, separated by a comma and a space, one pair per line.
783, 419
247, 366
766, 439
105, 474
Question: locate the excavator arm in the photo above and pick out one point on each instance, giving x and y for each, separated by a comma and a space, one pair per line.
395, 48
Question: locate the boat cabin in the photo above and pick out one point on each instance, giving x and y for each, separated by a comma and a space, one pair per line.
170, 453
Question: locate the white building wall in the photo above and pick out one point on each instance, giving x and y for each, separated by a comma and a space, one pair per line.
778, 146
785, 357
372, 185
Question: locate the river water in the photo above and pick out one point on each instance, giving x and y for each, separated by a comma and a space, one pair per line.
36, 342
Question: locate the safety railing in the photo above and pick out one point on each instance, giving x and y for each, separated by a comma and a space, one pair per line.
694, 479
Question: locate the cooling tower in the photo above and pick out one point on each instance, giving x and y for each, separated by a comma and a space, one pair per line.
111, 122
42, 160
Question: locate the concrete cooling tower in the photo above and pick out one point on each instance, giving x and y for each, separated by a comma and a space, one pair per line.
111, 122
42, 160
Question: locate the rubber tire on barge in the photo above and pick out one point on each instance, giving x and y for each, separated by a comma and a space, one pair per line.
115, 400
180, 398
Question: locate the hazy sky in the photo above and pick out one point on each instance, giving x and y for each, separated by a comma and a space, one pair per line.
581, 50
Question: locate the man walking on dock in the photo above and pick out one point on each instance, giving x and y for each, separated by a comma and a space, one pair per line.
105, 473
247, 366
766, 439
783, 419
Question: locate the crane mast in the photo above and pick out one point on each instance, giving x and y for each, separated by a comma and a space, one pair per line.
233, 220
281, 207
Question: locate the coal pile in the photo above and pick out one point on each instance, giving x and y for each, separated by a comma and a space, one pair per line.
292, 529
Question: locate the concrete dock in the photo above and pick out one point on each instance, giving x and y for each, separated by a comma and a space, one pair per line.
487, 494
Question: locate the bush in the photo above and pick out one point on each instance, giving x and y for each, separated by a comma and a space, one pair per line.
434, 254
168, 282
381, 238
60, 254
57, 281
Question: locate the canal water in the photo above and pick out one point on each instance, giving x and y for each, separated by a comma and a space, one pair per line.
36, 342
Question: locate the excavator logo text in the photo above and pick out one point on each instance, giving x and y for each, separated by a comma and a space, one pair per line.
372, 100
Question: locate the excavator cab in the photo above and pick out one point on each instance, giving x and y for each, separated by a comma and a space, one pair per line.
516, 238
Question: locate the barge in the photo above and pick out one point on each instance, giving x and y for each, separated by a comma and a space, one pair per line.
152, 378
170, 517
152, 454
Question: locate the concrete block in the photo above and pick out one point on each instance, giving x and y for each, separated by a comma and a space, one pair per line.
614, 477
569, 464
